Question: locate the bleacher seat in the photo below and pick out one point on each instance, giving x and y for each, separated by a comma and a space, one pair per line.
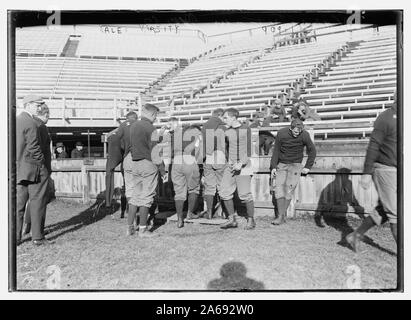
154, 46
261, 79
362, 83
35, 41
352, 69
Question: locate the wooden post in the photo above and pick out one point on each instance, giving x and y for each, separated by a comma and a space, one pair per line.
311, 132
115, 112
291, 93
303, 82
104, 145
283, 98
85, 185
139, 104
51, 148
63, 117
88, 142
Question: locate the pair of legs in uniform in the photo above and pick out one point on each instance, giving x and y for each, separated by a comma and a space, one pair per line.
222, 179
286, 181
141, 179
385, 181
185, 176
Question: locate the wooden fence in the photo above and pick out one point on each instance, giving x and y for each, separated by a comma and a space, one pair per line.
333, 185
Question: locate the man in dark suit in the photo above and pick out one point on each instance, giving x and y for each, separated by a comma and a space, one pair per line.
41, 117
32, 173
118, 147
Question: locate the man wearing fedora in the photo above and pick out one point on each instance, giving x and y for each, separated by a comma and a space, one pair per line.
32, 172
41, 117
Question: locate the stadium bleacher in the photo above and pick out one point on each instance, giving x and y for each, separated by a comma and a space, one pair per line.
79, 82
347, 73
130, 45
258, 82
35, 41
210, 68
361, 84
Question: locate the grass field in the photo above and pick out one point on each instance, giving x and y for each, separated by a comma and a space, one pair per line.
94, 253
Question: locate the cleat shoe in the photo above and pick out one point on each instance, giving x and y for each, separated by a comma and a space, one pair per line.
41, 242
180, 224
250, 224
278, 221
143, 233
131, 230
231, 223
191, 216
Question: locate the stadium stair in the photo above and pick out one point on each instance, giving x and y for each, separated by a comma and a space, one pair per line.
155, 88
213, 94
356, 84
70, 48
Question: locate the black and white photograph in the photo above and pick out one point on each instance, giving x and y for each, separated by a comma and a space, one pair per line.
205, 150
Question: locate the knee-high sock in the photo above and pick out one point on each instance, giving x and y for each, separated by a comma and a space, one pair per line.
27, 215
132, 211
123, 204
250, 209
229, 205
109, 186
286, 205
210, 204
192, 202
179, 208
281, 207
143, 212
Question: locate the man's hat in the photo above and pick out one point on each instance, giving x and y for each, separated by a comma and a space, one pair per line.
79, 143
59, 144
32, 98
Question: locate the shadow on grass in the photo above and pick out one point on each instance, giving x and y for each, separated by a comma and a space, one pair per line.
372, 243
233, 278
339, 193
96, 212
